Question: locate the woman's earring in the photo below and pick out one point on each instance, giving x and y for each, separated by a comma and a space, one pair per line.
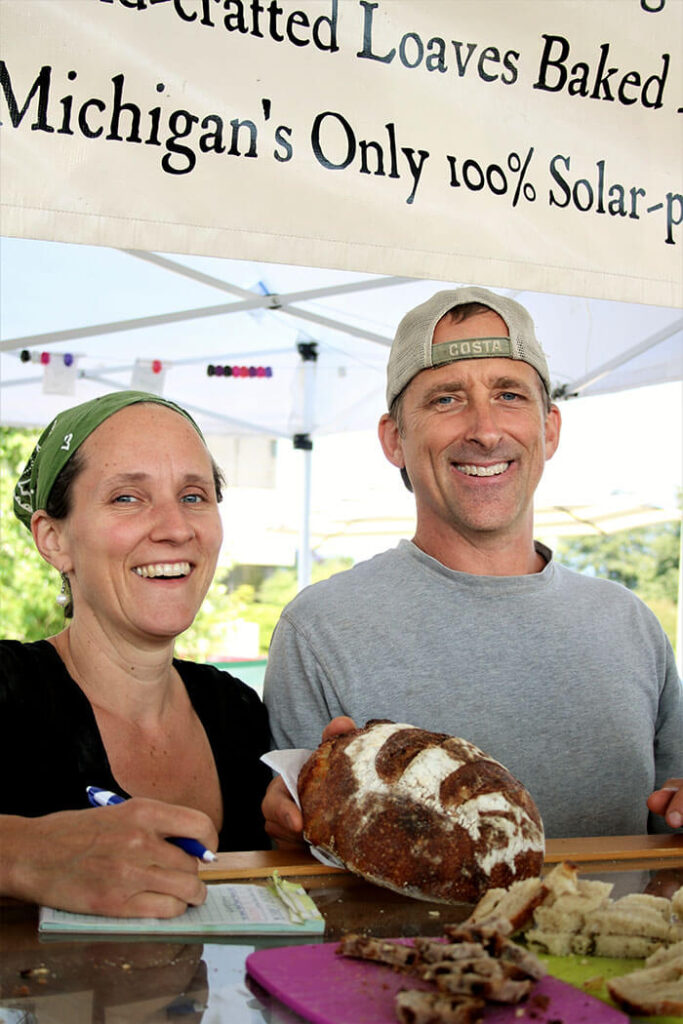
63, 595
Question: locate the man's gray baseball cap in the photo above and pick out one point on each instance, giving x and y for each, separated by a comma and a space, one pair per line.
412, 350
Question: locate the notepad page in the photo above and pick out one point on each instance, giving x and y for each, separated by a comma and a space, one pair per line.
229, 909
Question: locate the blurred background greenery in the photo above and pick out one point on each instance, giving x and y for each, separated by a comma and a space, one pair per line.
646, 560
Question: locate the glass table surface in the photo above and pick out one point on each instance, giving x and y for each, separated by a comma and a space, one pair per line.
59, 980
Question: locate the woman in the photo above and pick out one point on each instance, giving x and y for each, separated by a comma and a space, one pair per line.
121, 496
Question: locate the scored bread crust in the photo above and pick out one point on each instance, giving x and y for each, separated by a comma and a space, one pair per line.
423, 813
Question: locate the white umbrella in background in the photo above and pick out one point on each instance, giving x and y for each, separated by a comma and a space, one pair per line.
360, 527
609, 516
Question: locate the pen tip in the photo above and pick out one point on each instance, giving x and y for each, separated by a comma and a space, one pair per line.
209, 856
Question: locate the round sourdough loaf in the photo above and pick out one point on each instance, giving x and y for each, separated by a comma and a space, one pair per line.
423, 813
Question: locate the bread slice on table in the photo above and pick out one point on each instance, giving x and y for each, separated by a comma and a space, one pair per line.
656, 990
677, 904
664, 954
562, 914
515, 904
628, 947
633, 919
418, 1007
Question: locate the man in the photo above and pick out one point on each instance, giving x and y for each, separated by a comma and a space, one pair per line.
472, 629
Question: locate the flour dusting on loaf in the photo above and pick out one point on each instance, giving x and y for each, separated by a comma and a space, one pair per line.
424, 813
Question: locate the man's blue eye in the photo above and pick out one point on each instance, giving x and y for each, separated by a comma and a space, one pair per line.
192, 499
124, 498
509, 394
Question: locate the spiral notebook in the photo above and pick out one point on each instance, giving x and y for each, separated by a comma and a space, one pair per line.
281, 908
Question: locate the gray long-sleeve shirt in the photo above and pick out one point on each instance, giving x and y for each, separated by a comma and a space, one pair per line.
567, 680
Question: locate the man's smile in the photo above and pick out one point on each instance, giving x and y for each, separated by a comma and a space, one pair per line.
470, 469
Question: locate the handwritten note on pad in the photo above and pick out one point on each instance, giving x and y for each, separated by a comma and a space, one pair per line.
234, 909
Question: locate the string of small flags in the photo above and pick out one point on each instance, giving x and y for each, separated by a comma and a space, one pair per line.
238, 371
45, 358
67, 358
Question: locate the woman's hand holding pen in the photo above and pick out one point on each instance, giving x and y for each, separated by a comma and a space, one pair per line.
110, 860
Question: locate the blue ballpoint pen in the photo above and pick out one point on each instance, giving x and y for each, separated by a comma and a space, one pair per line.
104, 798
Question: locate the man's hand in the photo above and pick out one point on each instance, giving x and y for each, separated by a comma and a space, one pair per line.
338, 726
107, 860
284, 822
668, 801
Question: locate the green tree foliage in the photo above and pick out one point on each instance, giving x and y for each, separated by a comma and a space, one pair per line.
277, 589
205, 640
645, 560
29, 585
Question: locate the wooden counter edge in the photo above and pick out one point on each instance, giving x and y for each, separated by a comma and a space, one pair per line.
590, 849
599, 848
261, 863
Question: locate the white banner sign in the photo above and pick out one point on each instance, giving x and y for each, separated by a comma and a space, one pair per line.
521, 143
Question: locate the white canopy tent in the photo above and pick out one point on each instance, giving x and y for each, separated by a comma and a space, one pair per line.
322, 335
594, 346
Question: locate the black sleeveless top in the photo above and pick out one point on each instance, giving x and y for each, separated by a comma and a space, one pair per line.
51, 748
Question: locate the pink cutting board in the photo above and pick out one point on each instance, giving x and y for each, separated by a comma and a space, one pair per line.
326, 988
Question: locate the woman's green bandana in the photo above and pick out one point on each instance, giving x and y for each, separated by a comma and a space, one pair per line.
62, 438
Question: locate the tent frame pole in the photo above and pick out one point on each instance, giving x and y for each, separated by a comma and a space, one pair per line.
308, 350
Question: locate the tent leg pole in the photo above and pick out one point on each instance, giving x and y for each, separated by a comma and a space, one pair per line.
304, 561
308, 350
